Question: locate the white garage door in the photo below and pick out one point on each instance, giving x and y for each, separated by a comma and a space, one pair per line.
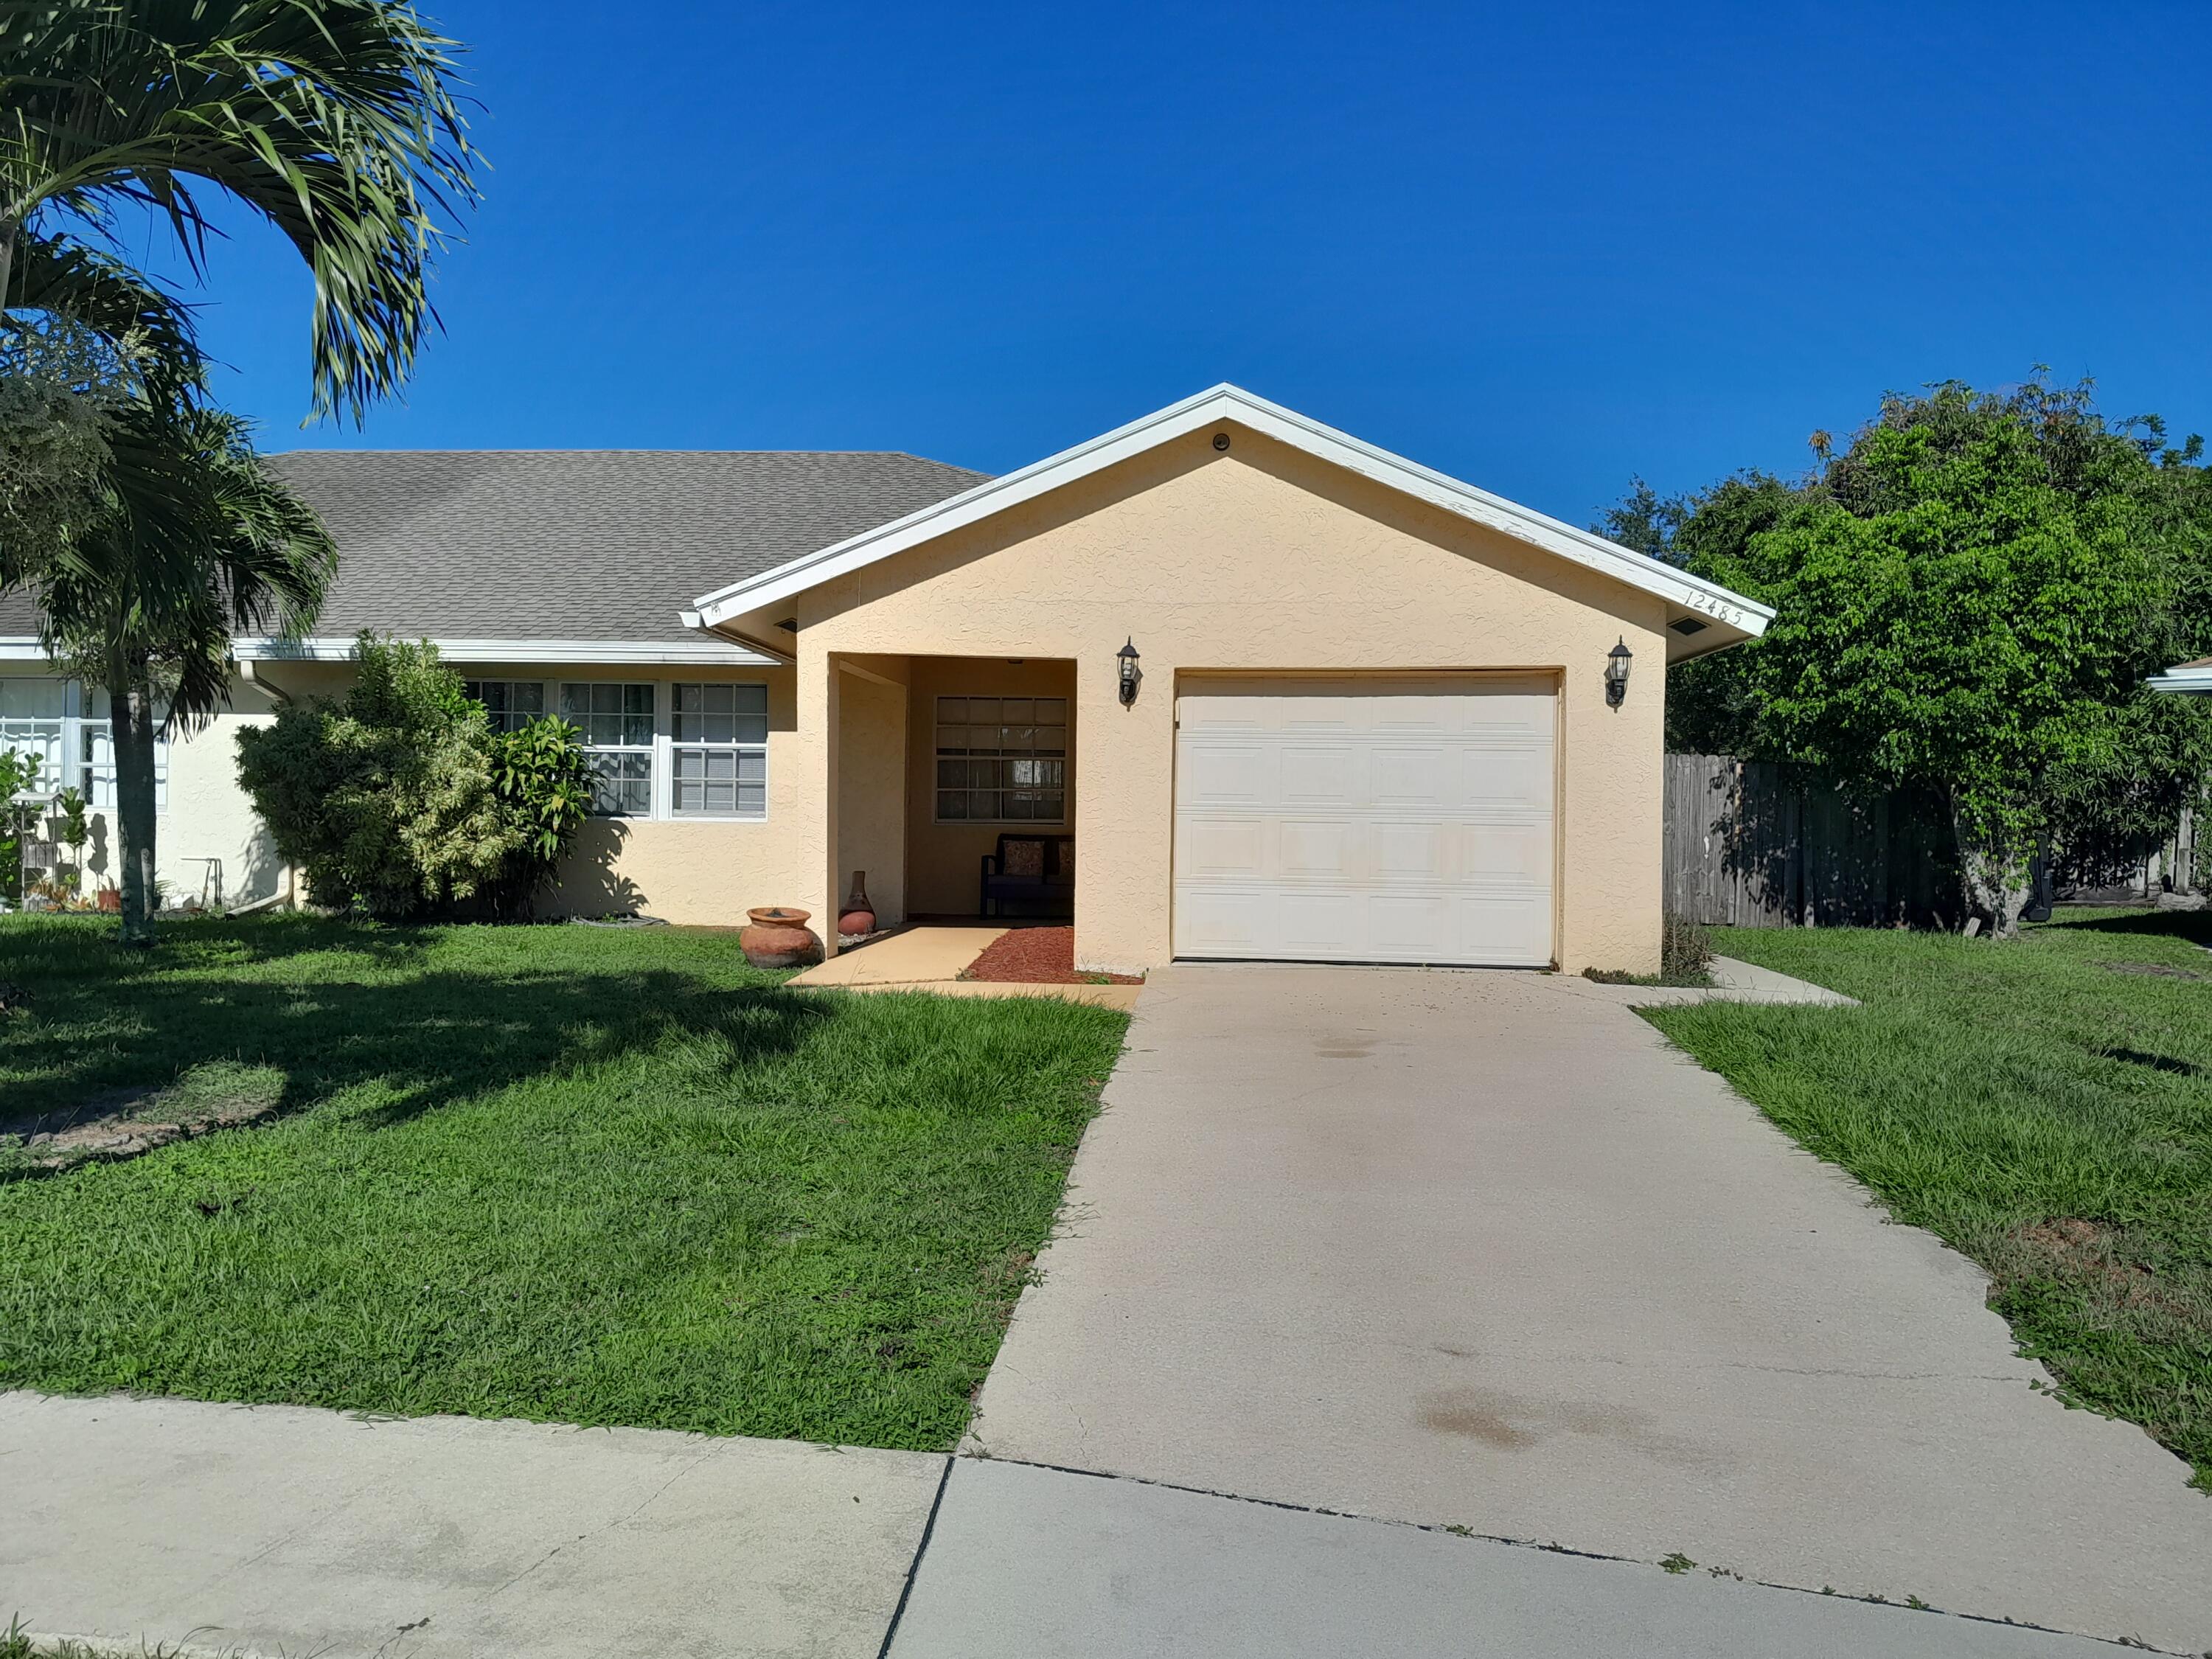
1333, 820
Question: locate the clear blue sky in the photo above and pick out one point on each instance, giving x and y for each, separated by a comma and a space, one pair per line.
1539, 247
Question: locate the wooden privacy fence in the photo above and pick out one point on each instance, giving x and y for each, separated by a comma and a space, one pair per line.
1756, 844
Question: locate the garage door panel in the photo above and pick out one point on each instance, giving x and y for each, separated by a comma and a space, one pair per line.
1312, 920
1366, 824
1426, 852
1307, 849
1213, 848
1222, 773
1407, 774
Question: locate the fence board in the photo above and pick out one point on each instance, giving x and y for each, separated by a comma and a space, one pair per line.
1753, 844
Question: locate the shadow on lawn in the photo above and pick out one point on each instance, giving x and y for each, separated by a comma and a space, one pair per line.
430, 1037
2195, 926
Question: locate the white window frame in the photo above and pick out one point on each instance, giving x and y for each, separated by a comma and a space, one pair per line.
739, 748
496, 714
938, 757
654, 748
663, 764
77, 730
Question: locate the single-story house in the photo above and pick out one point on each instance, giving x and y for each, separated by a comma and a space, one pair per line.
1271, 691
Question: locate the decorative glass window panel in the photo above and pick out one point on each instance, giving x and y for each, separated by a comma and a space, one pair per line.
96, 752
511, 704
719, 738
616, 721
1001, 760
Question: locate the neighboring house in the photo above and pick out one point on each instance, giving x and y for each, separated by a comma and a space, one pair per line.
1369, 720
2187, 679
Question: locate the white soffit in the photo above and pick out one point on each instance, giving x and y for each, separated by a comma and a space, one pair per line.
1228, 403
704, 651
2190, 679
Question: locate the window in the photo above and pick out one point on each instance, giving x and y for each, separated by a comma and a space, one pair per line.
720, 752
31, 716
1001, 760
511, 704
617, 723
96, 750
66, 727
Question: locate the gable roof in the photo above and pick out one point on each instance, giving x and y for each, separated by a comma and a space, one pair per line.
1699, 601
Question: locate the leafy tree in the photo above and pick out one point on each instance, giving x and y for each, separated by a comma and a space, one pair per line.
1970, 595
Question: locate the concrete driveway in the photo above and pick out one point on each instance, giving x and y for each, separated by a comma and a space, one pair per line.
1479, 1250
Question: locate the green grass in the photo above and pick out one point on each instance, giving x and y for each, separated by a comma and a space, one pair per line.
562, 1173
2043, 1105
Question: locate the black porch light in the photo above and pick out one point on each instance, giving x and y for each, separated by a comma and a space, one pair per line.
1127, 657
1616, 673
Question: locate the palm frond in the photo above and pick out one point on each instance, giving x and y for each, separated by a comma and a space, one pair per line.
333, 120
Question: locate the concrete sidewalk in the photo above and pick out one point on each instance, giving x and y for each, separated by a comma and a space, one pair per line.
266, 1530
1027, 1562
275, 1529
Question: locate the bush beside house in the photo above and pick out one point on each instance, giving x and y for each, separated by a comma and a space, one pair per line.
397, 798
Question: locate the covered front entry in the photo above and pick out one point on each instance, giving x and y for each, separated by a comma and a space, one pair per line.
1392, 819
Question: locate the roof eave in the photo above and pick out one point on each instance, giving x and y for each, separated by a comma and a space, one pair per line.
1229, 403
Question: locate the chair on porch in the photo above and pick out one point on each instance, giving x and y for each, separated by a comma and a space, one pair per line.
1030, 870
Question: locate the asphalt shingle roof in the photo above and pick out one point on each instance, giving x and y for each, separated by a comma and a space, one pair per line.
574, 545
582, 544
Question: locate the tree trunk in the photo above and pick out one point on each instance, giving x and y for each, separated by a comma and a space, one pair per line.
131, 721
1993, 878
7, 233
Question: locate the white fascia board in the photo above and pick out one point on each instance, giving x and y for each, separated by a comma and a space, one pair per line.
2190, 681
21, 648
1228, 403
500, 650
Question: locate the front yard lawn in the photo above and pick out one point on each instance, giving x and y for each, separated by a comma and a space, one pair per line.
563, 1173
2043, 1105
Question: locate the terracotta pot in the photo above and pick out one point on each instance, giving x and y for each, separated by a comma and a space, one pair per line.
780, 938
858, 915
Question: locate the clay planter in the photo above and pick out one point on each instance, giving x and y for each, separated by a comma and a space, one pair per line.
858, 915
780, 938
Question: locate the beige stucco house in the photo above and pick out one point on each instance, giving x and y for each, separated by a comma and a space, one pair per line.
1367, 717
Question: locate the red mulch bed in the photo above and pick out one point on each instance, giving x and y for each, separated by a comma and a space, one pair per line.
1036, 956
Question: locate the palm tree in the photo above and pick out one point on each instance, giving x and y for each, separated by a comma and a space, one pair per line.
330, 119
333, 122
200, 540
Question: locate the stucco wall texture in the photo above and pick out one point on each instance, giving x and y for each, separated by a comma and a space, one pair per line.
1258, 558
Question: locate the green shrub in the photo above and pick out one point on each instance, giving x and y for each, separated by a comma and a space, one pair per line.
385, 797
542, 776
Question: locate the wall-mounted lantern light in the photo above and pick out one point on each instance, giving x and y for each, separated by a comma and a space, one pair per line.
1616, 673
1127, 656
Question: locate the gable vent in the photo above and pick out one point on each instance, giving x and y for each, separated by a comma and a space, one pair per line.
1687, 625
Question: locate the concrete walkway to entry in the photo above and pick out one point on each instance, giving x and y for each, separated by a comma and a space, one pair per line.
930, 956
1480, 1249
